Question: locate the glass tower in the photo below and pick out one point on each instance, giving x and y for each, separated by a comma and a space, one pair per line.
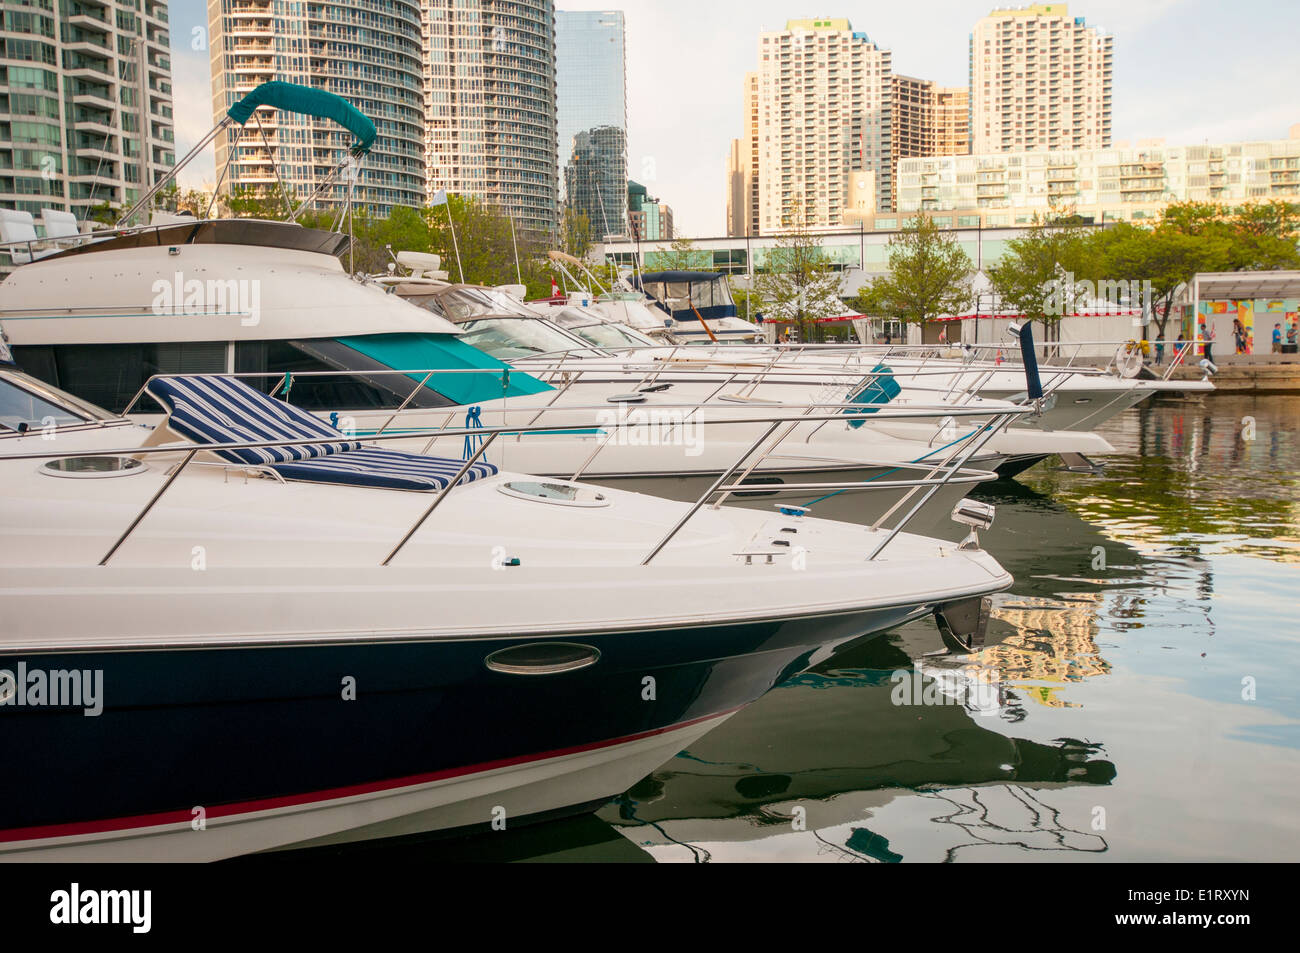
85, 103
367, 51
591, 78
489, 94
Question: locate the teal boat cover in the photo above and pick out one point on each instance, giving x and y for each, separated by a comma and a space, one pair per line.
878, 391
308, 102
425, 352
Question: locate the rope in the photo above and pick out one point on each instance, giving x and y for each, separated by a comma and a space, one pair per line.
473, 419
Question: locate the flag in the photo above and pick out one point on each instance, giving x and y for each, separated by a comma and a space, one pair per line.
439, 198
555, 289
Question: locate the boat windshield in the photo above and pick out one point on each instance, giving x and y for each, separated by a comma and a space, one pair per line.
27, 404
510, 338
459, 304
612, 336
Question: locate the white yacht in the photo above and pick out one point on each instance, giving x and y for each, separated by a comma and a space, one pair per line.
272, 300
244, 630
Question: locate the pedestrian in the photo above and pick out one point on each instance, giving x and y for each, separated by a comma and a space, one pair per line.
943, 335
1277, 338
1238, 336
1207, 335
1160, 348
1291, 337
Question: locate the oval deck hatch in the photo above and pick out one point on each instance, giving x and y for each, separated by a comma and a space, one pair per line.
93, 467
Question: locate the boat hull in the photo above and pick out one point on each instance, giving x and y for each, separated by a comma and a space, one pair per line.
208, 754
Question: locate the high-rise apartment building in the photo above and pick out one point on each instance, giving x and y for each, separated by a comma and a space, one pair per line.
1121, 183
489, 95
737, 197
742, 168
928, 120
824, 127
1039, 80
951, 120
367, 51
85, 103
591, 92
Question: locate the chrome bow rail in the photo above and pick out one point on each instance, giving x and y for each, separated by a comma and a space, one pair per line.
942, 472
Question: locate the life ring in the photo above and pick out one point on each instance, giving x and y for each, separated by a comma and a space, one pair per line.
1128, 359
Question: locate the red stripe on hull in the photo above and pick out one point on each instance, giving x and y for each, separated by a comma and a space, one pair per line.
17, 834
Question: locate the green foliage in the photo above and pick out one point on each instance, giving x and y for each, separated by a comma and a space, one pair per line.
1027, 275
575, 233
1193, 237
103, 213
799, 284
748, 302
482, 234
271, 204
929, 275
682, 255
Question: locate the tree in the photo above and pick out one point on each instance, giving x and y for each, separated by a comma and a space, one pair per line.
1277, 219
799, 284
1166, 257
575, 232
1193, 237
682, 255
748, 301
1029, 275
104, 213
272, 204
929, 275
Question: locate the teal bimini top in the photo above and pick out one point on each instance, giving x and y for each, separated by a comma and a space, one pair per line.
308, 101
423, 351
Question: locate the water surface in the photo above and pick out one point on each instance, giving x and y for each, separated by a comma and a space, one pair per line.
1137, 700
1139, 703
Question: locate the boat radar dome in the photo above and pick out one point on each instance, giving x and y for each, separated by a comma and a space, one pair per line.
422, 265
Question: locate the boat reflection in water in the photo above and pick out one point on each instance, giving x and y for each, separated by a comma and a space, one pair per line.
779, 773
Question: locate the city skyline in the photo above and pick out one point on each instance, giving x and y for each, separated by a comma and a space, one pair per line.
1214, 78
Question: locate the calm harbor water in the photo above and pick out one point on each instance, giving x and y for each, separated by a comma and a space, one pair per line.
1138, 700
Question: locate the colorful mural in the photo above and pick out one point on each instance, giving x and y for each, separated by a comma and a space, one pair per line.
1220, 315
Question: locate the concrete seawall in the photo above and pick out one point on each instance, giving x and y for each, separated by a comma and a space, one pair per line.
1255, 373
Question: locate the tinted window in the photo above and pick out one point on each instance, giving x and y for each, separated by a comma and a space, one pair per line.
353, 391
109, 375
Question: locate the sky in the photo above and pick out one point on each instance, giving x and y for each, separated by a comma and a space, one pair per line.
1187, 71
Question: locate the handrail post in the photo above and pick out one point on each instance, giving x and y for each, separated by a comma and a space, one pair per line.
171, 478
695, 507
992, 428
409, 397
437, 500
764, 455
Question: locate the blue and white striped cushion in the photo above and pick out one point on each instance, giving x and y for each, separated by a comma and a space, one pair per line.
389, 469
226, 410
